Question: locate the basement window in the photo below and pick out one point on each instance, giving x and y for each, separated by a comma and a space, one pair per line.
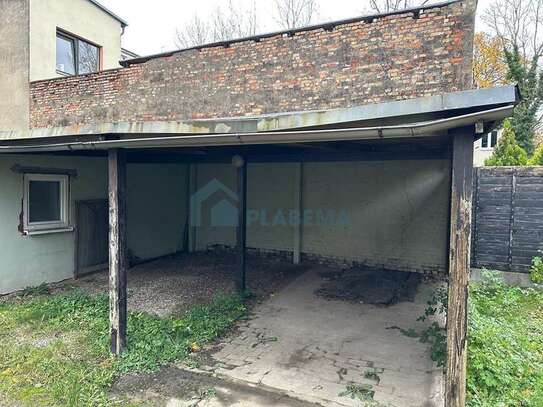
45, 201
76, 56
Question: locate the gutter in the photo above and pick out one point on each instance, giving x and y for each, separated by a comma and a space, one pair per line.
424, 129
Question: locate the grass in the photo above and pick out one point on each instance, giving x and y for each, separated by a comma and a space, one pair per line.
505, 343
55, 347
505, 366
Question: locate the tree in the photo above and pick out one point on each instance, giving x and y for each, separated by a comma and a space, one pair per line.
295, 13
537, 158
519, 25
507, 152
225, 23
489, 64
385, 6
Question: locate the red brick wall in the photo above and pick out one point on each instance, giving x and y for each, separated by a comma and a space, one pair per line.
391, 58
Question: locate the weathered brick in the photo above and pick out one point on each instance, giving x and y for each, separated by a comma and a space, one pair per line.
391, 58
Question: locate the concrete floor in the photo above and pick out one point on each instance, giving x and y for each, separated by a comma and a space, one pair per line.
312, 349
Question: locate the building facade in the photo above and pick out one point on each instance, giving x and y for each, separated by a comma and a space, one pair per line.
48, 39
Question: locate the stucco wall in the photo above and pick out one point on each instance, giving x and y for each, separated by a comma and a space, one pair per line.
156, 211
392, 214
32, 260
14, 87
78, 17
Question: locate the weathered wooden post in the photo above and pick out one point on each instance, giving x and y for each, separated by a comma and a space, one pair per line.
459, 266
117, 249
241, 164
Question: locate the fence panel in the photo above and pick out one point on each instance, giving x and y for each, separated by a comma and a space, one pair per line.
507, 217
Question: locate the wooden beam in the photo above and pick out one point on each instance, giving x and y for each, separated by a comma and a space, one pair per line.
459, 266
299, 205
242, 225
117, 249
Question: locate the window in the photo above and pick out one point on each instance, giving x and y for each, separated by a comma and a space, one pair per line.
76, 56
45, 201
489, 140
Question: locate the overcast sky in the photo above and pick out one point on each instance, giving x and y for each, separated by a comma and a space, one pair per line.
153, 23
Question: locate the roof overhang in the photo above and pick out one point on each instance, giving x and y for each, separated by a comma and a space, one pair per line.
418, 110
430, 128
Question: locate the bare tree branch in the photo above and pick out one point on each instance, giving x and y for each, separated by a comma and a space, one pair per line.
385, 6
518, 23
224, 23
295, 13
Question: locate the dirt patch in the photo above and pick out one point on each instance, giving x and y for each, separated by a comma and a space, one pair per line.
370, 286
172, 386
173, 284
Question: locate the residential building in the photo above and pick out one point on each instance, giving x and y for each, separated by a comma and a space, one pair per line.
484, 147
48, 39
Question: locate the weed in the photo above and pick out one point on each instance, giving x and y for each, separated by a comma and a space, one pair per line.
42, 289
73, 367
364, 393
536, 273
434, 335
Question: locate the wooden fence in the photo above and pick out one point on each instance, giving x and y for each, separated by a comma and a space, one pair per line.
507, 217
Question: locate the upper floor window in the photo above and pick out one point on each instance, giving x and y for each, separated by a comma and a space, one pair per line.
490, 140
76, 56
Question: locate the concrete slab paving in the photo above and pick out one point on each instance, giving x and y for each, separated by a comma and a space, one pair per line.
312, 349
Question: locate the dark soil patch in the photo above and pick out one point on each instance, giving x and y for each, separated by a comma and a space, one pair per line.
174, 386
370, 286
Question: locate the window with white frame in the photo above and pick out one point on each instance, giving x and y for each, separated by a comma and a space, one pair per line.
46, 202
489, 141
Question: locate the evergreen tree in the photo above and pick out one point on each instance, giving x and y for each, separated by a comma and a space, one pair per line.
530, 81
507, 152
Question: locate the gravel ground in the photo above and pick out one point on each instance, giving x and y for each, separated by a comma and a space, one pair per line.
173, 284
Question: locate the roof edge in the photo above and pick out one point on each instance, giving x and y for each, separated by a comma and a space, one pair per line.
290, 32
453, 101
111, 13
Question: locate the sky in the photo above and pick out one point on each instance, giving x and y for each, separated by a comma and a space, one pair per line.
153, 23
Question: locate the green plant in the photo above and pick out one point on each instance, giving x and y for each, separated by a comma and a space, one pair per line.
536, 273
525, 72
55, 348
434, 335
42, 289
505, 345
507, 152
537, 157
363, 392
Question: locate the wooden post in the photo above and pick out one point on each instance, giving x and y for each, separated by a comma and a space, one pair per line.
242, 224
459, 266
117, 249
298, 229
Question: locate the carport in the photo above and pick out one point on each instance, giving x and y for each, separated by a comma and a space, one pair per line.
419, 130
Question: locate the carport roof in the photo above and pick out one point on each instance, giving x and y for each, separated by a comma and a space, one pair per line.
426, 116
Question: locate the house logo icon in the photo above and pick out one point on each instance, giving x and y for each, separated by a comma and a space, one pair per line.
216, 203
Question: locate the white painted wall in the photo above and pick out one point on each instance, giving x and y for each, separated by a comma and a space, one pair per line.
78, 17
156, 211
397, 211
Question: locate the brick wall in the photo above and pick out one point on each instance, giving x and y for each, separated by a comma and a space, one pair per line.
389, 58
